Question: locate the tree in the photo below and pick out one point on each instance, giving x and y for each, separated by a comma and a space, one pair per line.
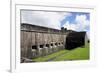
62, 28
65, 29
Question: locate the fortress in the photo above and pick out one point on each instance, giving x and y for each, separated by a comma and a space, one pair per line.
40, 41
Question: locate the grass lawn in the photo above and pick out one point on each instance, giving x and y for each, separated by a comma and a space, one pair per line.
46, 58
76, 54
80, 53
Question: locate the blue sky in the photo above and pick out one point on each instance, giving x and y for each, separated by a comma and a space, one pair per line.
71, 18
78, 21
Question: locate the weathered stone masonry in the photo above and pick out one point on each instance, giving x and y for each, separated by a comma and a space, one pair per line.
40, 41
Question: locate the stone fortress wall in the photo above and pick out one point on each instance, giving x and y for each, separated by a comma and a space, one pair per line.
40, 41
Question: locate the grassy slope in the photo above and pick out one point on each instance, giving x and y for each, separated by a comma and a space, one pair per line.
76, 54
45, 58
80, 53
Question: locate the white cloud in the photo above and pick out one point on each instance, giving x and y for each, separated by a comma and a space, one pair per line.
70, 26
80, 24
53, 20
42, 18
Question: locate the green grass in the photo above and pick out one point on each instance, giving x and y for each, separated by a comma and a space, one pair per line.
45, 58
80, 53
76, 54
